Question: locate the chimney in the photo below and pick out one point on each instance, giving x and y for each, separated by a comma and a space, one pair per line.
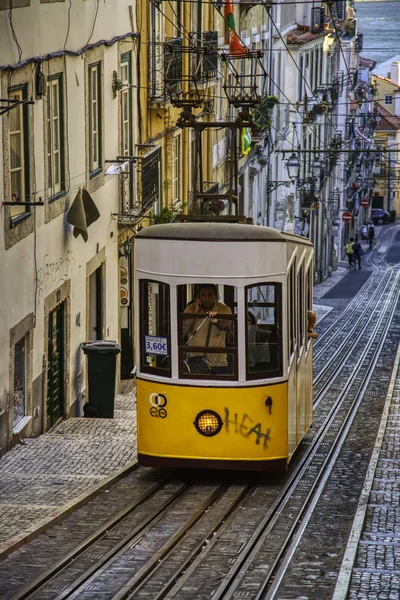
395, 73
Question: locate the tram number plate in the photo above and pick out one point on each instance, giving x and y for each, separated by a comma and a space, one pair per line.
156, 345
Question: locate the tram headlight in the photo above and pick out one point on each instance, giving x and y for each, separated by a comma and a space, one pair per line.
208, 423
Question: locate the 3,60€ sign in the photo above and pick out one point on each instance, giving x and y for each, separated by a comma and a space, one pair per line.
156, 345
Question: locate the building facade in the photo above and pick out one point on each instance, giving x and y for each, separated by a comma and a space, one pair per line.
59, 242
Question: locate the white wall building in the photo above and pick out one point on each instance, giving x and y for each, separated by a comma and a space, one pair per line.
59, 125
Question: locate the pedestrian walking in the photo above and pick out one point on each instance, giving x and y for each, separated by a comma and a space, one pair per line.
357, 253
371, 235
350, 252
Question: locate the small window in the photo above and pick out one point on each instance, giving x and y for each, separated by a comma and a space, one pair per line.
388, 99
55, 137
19, 396
155, 328
126, 137
19, 157
95, 148
263, 339
207, 331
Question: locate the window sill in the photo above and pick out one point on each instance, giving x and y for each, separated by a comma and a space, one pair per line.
94, 174
19, 427
57, 196
14, 221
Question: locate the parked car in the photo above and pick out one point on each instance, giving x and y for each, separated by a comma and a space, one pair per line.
378, 215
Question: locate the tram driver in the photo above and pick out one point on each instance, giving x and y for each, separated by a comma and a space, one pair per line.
210, 331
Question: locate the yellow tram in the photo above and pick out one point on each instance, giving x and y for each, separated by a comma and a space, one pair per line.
224, 366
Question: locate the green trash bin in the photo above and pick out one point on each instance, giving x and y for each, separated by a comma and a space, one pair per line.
102, 361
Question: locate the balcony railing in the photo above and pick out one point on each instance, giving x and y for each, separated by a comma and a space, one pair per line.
173, 64
204, 63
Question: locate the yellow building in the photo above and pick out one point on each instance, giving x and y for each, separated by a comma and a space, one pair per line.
387, 136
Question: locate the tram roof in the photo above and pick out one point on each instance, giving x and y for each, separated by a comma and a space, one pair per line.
218, 232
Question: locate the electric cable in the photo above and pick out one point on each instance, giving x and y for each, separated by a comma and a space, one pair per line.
94, 22
10, 18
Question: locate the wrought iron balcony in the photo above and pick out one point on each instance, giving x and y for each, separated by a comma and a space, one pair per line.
173, 64
358, 45
203, 56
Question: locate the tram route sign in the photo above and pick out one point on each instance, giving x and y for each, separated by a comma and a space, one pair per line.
347, 216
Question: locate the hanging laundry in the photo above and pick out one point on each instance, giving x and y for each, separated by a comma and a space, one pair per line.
82, 214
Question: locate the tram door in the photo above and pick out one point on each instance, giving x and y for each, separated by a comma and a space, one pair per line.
292, 357
55, 366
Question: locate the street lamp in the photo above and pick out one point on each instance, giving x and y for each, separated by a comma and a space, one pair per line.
272, 185
359, 181
293, 167
125, 249
317, 168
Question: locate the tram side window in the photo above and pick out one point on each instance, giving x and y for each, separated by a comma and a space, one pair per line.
207, 332
155, 328
291, 309
309, 291
300, 305
263, 340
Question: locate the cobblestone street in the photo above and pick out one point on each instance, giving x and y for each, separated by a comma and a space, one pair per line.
43, 478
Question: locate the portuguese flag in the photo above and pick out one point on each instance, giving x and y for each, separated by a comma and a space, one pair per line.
235, 46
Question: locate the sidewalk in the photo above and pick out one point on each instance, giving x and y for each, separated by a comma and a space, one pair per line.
44, 478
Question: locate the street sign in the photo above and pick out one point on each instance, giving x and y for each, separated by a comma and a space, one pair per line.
347, 217
364, 202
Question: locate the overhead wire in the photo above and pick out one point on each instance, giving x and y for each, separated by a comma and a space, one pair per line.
293, 59
14, 35
322, 145
94, 21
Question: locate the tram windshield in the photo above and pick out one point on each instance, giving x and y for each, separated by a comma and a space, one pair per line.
263, 337
207, 331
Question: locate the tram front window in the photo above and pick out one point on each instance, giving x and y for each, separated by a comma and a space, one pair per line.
155, 328
263, 331
207, 331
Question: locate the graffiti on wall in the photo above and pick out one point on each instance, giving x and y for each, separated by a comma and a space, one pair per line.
54, 273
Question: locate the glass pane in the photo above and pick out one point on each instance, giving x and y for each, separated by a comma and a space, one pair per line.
124, 72
16, 185
94, 148
19, 382
15, 151
125, 107
56, 138
55, 100
155, 330
207, 321
94, 85
263, 346
94, 116
125, 135
49, 170
15, 116
56, 169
